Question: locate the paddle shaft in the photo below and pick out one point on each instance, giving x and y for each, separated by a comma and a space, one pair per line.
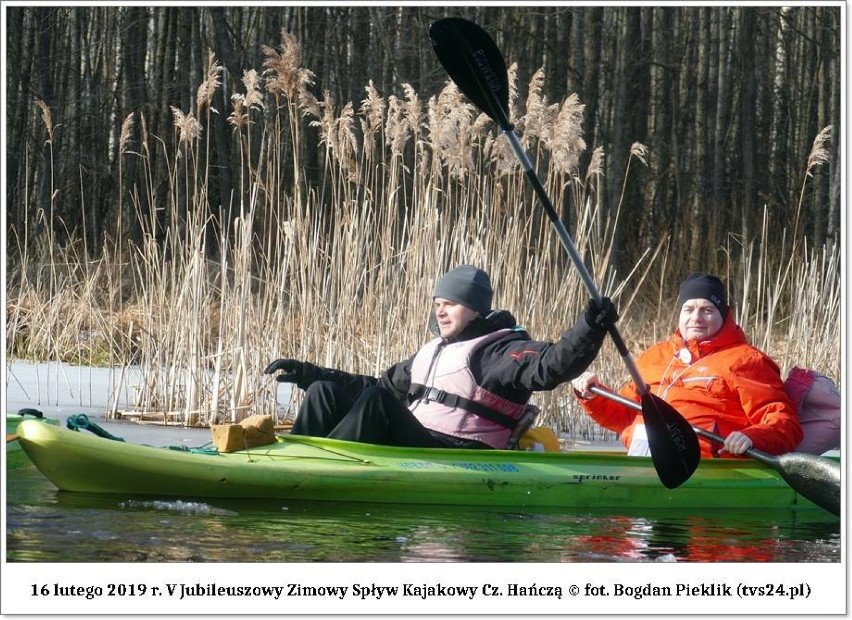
568, 243
477, 67
756, 454
485, 88
814, 477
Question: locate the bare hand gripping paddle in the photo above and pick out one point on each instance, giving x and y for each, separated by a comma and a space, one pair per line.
474, 63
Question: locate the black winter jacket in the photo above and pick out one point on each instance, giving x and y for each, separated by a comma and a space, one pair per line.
512, 367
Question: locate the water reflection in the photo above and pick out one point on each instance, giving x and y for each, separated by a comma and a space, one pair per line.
46, 525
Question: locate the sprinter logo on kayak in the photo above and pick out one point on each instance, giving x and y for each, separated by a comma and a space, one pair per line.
581, 477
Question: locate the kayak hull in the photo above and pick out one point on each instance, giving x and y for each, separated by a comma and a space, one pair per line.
309, 468
15, 455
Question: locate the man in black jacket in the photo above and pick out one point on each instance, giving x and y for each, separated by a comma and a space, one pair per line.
467, 388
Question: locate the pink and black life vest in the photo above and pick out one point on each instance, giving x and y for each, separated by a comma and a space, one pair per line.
447, 398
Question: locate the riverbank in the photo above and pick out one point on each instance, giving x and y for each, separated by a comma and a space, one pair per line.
61, 390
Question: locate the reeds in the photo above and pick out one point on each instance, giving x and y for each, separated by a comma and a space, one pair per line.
340, 273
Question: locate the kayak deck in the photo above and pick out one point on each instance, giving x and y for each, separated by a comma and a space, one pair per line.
310, 468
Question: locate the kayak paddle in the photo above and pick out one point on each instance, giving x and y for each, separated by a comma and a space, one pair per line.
474, 63
814, 477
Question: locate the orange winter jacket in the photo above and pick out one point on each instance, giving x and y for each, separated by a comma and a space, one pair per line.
722, 385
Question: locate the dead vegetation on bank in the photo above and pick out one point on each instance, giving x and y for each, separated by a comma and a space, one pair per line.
341, 274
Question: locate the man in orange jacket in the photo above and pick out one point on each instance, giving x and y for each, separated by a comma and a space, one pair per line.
711, 375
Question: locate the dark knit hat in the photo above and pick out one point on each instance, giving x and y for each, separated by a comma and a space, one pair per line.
704, 286
468, 286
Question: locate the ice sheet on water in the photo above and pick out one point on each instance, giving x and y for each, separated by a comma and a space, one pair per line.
60, 389
61, 384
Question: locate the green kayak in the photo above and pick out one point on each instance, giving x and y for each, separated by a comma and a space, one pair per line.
15, 456
310, 468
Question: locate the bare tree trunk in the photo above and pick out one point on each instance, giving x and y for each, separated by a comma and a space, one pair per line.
134, 42
590, 79
662, 192
720, 196
834, 115
45, 18
747, 120
21, 39
730, 117
620, 115
698, 216
780, 130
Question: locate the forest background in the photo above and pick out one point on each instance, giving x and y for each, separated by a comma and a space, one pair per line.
193, 191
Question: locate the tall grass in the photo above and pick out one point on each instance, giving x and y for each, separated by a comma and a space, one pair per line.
341, 272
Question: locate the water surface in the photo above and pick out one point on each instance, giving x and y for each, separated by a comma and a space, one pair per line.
45, 525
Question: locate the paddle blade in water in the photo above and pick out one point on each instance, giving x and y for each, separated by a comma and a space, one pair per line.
475, 64
814, 477
672, 441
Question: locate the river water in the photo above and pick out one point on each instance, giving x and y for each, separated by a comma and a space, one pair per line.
48, 528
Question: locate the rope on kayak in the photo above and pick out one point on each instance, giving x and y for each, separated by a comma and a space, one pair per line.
82, 422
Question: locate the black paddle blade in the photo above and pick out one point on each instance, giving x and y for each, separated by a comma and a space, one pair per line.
474, 63
813, 477
672, 441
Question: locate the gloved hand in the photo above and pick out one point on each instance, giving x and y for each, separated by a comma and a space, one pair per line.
292, 371
601, 317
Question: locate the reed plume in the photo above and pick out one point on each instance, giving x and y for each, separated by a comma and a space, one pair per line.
284, 73
124, 135
413, 112
640, 152
820, 154
533, 121
46, 118
373, 108
596, 164
566, 141
372, 113
205, 92
238, 116
451, 131
396, 126
254, 95
188, 127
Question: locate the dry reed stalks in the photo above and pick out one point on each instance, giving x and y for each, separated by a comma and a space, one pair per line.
341, 273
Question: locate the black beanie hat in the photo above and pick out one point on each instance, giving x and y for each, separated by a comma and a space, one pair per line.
468, 286
704, 286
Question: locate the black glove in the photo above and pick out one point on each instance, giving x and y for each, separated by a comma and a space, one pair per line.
293, 371
601, 317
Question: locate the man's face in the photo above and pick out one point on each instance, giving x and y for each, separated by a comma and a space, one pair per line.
452, 317
699, 319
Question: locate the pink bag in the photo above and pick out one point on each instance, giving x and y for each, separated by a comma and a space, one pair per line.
817, 401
